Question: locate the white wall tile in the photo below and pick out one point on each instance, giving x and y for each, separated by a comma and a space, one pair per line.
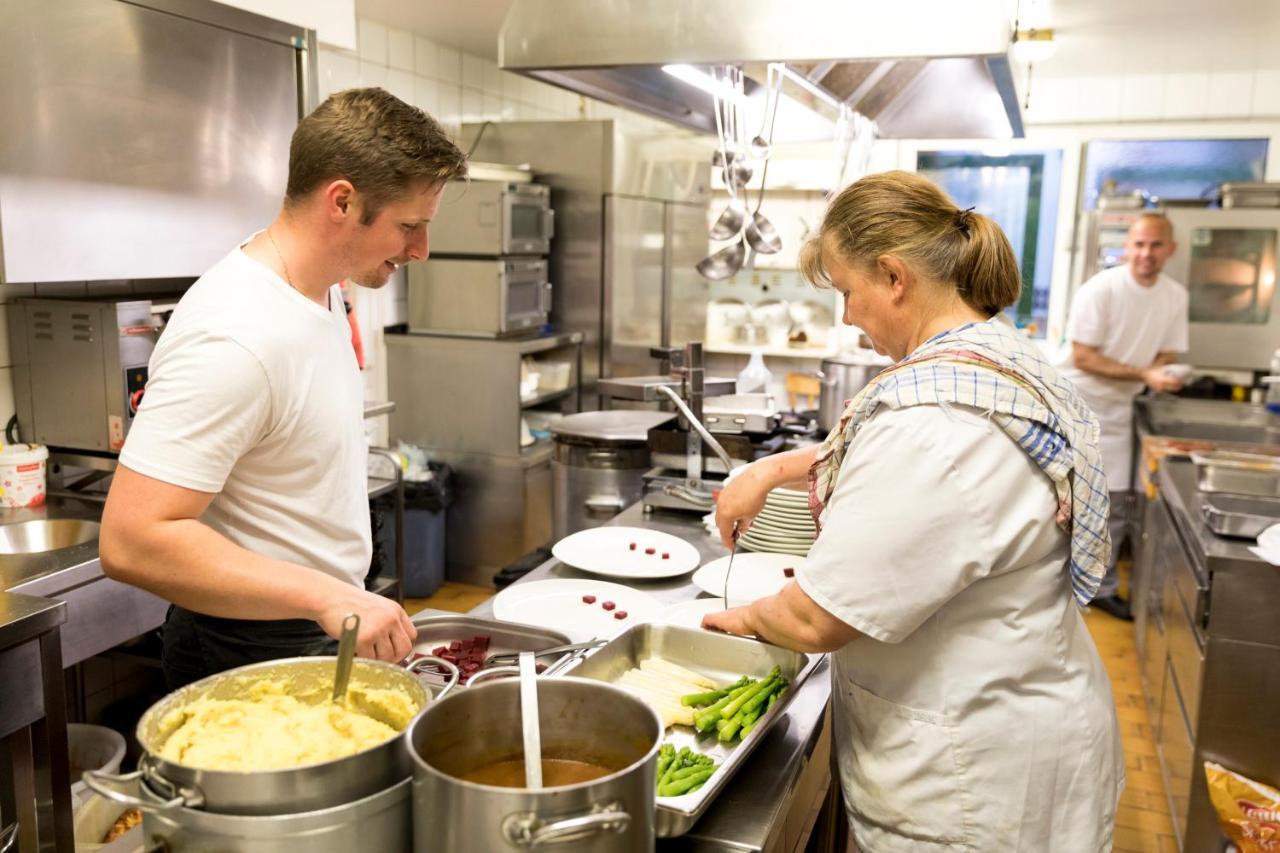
372, 40
1098, 98
449, 65
1266, 93
373, 74
1141, 96
425, 95
472, 104
400, 50
472, 72
450, 101
1186, 96
492, 77
1230, 93
400, 83
425, 52
344, 72
7, 407
492, 107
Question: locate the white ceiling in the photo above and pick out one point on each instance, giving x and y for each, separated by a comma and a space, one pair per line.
1178, 35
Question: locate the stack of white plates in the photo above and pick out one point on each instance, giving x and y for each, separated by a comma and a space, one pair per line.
784, 526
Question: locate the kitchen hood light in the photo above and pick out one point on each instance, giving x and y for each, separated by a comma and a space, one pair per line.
703, 80
1033, 45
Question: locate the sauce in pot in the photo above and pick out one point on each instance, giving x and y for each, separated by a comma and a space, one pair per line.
556, 772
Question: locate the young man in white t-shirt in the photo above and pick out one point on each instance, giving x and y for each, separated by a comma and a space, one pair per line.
1126, 324
241, 491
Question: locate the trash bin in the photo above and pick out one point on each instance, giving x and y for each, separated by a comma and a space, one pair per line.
91, 747
425, 502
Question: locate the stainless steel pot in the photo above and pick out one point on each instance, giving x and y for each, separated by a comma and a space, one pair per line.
580, 718
270, 792
599, 465
842, 377
381, 822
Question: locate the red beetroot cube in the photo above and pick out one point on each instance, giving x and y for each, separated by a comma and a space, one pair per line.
482, 642
608, 605
455, 646
620, 614
666, 556
439, 650
450, 657
789, 572
651, 551
631, 547
588, 599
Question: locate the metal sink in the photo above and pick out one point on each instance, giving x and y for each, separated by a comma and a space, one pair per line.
49, 534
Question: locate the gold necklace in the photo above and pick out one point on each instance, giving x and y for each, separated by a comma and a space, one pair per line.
280, 255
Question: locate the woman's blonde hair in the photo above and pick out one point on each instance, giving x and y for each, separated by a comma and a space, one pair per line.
908, 215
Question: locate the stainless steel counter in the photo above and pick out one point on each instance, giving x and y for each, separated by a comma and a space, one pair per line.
101, 613
1207, 420
747, 814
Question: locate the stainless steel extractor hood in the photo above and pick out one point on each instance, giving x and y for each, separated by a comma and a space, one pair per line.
919, 68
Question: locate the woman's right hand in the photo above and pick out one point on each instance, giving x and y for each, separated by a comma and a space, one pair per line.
740, 501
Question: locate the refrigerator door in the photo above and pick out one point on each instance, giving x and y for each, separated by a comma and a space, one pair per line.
635, 257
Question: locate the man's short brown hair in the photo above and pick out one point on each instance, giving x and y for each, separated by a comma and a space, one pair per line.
382, 145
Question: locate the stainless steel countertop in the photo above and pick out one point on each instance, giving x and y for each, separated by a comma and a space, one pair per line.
749, 807
23, 617
1207, 420
1177, 481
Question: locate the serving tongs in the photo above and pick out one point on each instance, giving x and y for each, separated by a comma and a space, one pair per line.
508, 658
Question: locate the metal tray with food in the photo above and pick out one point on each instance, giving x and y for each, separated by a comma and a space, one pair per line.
721, 659
1237, 473
470, 640
1239, 516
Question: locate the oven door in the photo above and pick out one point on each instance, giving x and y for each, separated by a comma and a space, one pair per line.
529, 223
526, 295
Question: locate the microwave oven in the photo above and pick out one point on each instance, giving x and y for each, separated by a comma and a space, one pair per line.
481, 297
490, 218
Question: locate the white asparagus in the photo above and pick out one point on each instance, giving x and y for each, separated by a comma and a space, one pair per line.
677, 671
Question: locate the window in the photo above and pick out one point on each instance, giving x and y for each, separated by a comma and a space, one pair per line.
1020, 192
1170, 168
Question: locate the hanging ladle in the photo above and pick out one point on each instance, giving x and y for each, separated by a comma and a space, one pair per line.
760, 233
729, 224
723, 263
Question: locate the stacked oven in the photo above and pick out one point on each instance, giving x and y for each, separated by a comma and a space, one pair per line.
487, 276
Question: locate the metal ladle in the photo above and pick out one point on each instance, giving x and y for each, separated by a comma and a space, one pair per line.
530, 722
760, 233
729, 224
346, 655
724, 263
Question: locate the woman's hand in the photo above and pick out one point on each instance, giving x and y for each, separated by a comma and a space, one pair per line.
740, 502
790, 619
733, 621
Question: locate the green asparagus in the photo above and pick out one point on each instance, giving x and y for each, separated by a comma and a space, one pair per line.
684, 772
712, 696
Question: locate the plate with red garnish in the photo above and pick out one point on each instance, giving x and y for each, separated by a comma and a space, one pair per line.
581, 608
755, 575
630, 553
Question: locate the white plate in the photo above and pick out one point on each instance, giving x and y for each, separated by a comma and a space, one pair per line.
556, 603
756, 533
689, 614
623, 552
755, 575
773, 548
783, 526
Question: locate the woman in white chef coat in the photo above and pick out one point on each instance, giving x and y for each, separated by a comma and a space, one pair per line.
962, 508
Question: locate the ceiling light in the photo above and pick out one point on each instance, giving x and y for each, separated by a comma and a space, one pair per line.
1033, 45
704, 81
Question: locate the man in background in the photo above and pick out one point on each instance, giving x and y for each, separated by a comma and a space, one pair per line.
1126, 324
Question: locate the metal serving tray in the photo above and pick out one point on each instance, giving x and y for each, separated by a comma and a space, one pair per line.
1238, 473
722, 658
436, 631
1242, 516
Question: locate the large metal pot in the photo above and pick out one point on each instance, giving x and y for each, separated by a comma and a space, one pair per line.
842, 377
381, 822
270, 792
580, 718
599, 465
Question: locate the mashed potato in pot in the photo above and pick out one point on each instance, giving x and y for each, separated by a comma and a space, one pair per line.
269, 729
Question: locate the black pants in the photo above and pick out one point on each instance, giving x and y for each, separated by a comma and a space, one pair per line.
196, 646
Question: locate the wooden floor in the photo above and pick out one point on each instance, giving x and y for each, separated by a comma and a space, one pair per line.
1142, 823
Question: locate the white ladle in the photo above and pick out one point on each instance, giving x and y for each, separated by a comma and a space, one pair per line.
529, 721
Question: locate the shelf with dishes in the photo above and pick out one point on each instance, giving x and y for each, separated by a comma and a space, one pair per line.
801, 327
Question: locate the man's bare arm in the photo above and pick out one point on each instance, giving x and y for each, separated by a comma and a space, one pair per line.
1091, 360
152, 538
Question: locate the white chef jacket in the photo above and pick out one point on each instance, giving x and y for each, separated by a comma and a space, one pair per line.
1131, 324
975, 714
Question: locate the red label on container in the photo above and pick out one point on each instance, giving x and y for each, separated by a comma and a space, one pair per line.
30, 466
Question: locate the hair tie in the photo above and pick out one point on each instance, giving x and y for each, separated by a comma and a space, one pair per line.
962, 221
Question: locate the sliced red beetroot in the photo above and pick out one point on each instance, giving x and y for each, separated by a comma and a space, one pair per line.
439, 650
621, 614
608, 605
588, 599
455, 646
789, 572
651, 551
666, 556
632, 546
481, 641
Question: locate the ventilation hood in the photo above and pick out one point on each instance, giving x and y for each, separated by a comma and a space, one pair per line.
919, 68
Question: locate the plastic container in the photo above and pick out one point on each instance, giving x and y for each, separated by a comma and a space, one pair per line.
22, 475
755, 376
92, 748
